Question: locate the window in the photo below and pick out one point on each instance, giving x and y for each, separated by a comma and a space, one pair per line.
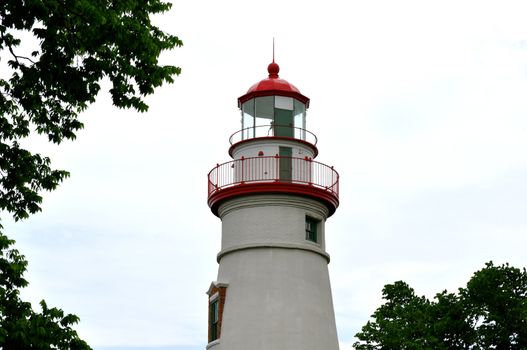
214, 319
217, 293
311, 229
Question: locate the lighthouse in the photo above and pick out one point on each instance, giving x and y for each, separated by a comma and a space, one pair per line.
272, 291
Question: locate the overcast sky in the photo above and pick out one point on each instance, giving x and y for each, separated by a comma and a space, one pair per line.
420, 105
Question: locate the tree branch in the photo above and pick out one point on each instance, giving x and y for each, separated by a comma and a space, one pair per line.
13, 52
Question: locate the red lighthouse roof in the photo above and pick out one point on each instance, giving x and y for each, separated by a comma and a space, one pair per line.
273, 86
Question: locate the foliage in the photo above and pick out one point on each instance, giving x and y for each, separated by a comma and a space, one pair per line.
80, 43
20, 326
490, 313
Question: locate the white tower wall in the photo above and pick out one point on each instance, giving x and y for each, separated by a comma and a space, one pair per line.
278, 281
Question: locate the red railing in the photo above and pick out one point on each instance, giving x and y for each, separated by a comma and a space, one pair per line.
285, 131
273, 169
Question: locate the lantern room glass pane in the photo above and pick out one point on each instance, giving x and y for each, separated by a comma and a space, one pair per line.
248, 107
273, 116
282, 102
264, 114
299, 117
248, 120
247, 126
263, 107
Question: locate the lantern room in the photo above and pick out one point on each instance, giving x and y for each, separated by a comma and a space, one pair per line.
273, 152
273, 107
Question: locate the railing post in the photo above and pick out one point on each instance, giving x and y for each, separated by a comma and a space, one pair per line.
259, 169
309, 170
277, 169
243, 170
217, 175
332, 183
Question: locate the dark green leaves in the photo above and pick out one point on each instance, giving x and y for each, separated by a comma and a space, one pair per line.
490, 313
25, 175
20, 326
81, 42
402, 323
497, 298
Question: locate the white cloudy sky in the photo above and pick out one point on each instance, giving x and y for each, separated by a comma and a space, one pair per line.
420, 105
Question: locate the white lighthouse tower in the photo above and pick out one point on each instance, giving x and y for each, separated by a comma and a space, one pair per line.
273, 199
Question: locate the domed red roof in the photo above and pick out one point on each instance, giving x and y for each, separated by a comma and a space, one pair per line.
273, 86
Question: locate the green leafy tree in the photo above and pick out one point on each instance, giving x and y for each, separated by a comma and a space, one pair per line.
79, 47
21, 327
496, 297
490, 313
81, 42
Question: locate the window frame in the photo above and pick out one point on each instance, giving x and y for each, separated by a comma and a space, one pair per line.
311, 232
214, 316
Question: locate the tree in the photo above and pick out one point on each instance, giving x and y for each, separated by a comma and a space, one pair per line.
81, 42
497, 300
20, 326
79, 46
490, 313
